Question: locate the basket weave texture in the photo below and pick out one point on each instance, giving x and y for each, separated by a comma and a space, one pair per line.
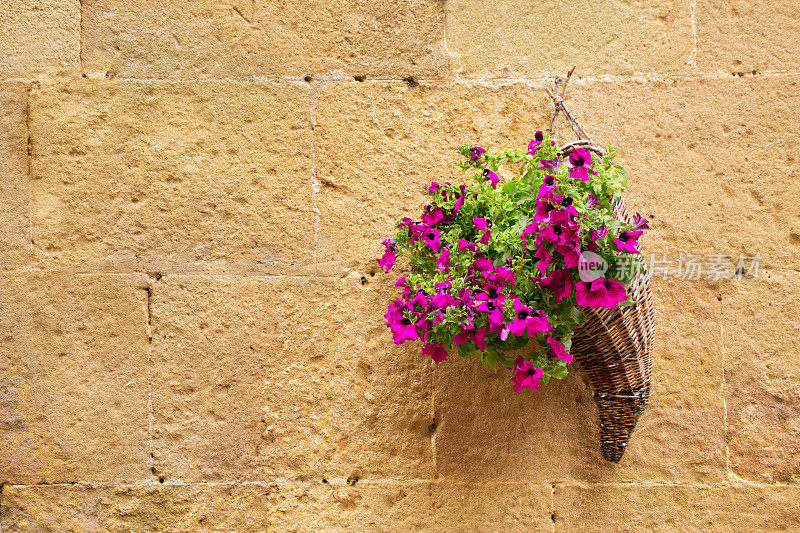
614, 348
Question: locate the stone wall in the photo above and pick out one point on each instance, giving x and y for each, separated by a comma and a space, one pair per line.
191, 329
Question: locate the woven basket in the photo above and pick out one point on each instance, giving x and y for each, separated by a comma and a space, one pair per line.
614, 348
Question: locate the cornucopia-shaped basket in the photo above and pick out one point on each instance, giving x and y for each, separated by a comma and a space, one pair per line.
614, 348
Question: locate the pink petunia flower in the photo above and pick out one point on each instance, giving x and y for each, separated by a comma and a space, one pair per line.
557, 349
627, 241
431, 238
560, 282
387, 261
491, 176
581, 161
534, 145
443, 261
437, 352
601, 292
526, 375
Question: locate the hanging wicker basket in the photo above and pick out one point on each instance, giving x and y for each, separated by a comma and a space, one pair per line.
614, 348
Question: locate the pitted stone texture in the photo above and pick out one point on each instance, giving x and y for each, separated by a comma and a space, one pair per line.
39, 38
761, 325
365, 506
14, 186
73, 378
487, 431
233, 38
744, 38
284, 378
517, 38
675, 508
711, 162
172, 177
126, 509
378, 144
491, 506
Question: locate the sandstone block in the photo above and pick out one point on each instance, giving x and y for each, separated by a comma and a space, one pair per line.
172, 177
194, 39
517, 38
39, 38
73, 379
270, 378
14, 184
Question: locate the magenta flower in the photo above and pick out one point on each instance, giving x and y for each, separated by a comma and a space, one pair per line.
530, 229
443, 261
485, 238
599, 233
534, 145
431, 238
557, 349
482, 224
476, 336
476, 152
491, 176
436, 351
526, 375
501, 276
560, 282
592, 201
571, 254
547, 188
403, 330
544, 258
543, 209
601, 292
432, 215
525, 319
639, 222
466, 245
581, 161
550, 164
387, 261
433, 187
493, 306
627, 241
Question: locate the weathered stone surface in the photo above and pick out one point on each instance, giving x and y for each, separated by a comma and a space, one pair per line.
723, 508
262, 379
14, 189
193, 39
188, 508
761, 325
172, 177
385, 506
710, 161
73, 378
741, 37
39, 38
514, 37
377, 144
486, 431
482, 506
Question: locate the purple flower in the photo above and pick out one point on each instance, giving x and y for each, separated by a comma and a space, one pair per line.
432, 215
443, 261
526, 375
557, 349
491, 176
571, 254
482, 224
543, 209
387, 261
466, 245
476, 152
534, 145
431, 238
627, 241
433, 187
544, 258
525, 319
592, 201
560, 282
403, 330
530, 229
493, 306
639, 222
476, 336
436, 351
550, 164
547, 188
581, 161
601, 292
599, 233
486, 237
